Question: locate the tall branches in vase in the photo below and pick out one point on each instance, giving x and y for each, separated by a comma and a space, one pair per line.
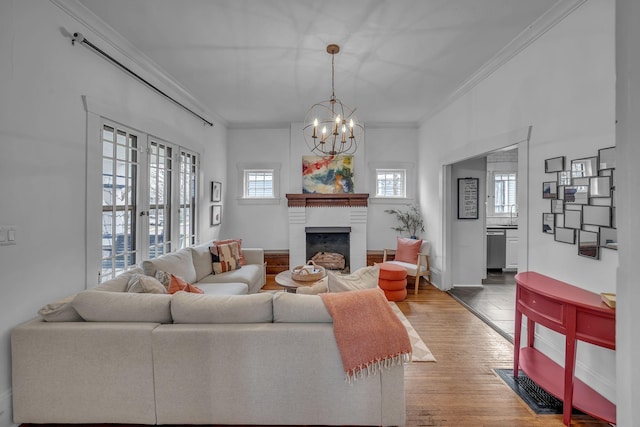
410, 220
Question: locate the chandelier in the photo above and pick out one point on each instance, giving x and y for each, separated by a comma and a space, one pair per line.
330, 127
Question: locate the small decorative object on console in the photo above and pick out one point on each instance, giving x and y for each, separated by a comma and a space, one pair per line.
609, 299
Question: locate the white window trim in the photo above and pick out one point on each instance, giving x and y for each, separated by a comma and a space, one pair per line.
410, 182
491, 202
98, 110
275, 167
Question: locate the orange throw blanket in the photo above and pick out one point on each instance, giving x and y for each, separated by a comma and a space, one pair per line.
369, 334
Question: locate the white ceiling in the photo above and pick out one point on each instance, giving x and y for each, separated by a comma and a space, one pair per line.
264, 61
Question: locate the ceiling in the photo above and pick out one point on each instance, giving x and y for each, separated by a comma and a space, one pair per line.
256, 62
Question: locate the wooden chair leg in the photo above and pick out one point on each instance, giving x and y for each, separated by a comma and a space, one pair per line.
417, 283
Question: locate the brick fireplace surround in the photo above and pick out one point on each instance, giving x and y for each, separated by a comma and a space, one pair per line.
328, 210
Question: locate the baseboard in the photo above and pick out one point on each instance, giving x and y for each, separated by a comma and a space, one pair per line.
6, 413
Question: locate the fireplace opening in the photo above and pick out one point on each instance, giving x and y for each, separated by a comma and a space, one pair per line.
329, 247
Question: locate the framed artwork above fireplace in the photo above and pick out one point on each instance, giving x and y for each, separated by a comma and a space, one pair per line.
327, 174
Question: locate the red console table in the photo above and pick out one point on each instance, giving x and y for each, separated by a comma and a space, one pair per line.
579, 315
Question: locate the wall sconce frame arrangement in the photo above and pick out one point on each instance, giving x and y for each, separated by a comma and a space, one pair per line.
582, 202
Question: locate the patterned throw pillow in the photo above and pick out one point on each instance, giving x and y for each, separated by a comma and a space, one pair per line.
239, 241
164, 278
225, 257
179, 284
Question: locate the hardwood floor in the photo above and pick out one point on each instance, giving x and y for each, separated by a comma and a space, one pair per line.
461, 389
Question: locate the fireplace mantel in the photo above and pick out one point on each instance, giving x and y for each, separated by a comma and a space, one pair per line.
307, 200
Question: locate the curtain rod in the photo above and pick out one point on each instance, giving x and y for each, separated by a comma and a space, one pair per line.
78, 37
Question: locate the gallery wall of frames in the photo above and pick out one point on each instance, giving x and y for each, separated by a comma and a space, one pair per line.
581, 194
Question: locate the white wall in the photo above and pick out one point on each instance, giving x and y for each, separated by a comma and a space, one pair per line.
563, 86
258, 224
286, 146
628, 182
43, 136
468, 235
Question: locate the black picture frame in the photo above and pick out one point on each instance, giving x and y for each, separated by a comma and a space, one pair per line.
565, 235
589, 244
215, 215
550, 190
216, 191
555, 164
548, 223
607, 158
468, 198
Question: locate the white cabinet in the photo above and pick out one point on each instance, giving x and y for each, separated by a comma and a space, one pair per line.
511, 255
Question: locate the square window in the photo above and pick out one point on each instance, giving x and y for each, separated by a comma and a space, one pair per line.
391, 183
258, 184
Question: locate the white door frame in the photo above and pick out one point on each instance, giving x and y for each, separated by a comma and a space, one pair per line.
519, 138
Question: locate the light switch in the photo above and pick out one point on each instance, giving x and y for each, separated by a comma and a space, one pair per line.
7, 235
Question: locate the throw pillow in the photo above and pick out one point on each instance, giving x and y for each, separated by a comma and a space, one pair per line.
179, 284
164, 278
60, 311
140, 283
407, 250
239, 242
319, 287
225, 257
362, 278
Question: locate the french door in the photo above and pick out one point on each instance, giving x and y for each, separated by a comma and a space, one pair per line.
148, 198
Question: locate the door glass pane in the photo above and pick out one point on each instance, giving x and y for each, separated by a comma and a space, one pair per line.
119, 211
159, 198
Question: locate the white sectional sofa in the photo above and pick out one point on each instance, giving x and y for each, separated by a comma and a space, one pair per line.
134, 358
194, 265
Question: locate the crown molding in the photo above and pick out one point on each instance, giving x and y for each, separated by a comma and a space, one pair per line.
554, 15
132, 56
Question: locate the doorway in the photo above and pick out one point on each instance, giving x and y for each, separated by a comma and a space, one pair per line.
489, 294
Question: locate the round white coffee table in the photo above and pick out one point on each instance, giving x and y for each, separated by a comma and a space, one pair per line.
284, 279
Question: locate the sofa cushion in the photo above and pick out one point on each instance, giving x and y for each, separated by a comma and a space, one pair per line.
299, 308
201, 260
202, 308
179, 263
251, 274
178, 284
225, 257
362, 278
139, 283
60, 311
407, 250
95, 306
224, 288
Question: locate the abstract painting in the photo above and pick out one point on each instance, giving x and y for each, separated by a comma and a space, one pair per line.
327, 174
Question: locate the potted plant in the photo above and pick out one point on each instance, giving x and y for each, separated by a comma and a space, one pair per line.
410, 220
